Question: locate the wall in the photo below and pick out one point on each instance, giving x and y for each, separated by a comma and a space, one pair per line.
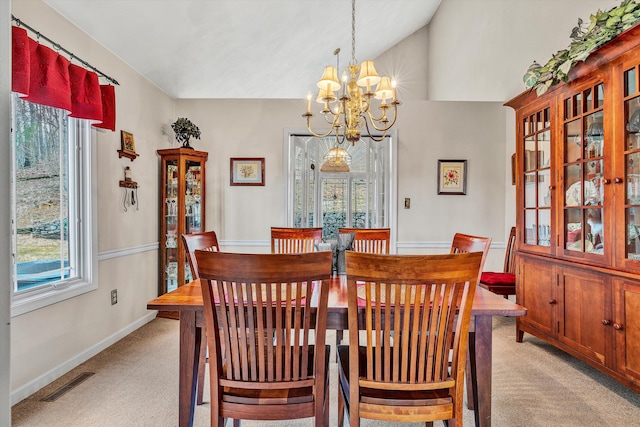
5, 228
427, 131
511, 34
72, 331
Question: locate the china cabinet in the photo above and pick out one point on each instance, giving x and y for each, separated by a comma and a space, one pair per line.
578, 210
182, 211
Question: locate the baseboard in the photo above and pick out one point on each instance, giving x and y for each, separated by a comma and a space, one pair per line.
55, 373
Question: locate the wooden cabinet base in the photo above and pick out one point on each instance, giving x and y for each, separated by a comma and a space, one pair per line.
624, 380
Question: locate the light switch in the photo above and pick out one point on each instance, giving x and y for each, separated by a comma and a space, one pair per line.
407, 203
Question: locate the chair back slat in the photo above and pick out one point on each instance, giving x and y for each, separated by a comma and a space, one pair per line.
262, 304
510, 254
415, 310
294, 240
370, 240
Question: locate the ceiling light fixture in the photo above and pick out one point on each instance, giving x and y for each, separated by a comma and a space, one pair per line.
349, 110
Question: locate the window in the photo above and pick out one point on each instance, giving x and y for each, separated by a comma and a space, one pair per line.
363, 197
53, 224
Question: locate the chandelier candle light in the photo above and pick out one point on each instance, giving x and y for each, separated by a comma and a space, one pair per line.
346, 108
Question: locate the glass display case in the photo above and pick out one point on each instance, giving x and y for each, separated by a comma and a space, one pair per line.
182, 211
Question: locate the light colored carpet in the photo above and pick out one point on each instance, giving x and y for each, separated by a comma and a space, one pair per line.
136, 384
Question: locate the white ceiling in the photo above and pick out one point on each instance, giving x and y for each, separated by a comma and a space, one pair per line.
242, 48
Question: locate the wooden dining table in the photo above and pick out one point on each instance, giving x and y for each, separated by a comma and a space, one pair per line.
187, 301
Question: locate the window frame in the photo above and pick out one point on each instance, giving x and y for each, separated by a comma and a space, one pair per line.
83, 211
288, 166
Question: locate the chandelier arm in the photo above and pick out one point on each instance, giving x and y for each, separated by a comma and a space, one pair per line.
384, 128
373, 137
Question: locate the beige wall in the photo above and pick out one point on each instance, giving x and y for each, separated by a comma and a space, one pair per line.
480, 49
46, 343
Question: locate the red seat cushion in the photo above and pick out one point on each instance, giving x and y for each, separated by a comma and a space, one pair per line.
491, 278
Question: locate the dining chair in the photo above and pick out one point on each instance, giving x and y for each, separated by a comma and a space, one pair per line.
205, 241
463, 243
467, 243
260, 308
370, 240
294, 240
408, 363
504, 282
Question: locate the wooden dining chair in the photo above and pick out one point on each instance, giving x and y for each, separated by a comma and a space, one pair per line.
463, 243
504, 282
294, 240
260, 308
408, 363
192, 242
370, 240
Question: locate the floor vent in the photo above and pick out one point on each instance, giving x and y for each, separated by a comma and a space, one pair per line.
67, 387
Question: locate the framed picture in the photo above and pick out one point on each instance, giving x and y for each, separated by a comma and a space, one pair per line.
452, 177
247, 171
128, 146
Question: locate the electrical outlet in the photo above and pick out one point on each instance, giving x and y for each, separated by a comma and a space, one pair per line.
407, 203
114, 297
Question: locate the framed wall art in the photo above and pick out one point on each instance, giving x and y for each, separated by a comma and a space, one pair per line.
247, 171
127, 146
452, 177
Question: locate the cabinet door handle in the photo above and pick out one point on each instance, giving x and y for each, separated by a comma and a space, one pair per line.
606, 181
552, 187
617, 180
606, 322
617, 326
552, 301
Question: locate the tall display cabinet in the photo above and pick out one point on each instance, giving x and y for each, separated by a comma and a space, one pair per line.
578, 211
182, 211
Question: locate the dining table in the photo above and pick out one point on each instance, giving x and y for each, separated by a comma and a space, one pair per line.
187, 301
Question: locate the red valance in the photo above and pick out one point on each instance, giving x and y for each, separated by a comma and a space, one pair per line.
43, 76
21, 60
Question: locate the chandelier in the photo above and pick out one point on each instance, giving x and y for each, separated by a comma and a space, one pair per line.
346, 108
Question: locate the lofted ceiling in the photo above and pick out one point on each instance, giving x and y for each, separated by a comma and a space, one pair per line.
242, 48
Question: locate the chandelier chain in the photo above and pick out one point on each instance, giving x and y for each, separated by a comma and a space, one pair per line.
353, 32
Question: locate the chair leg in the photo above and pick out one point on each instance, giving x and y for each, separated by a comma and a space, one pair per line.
340, 407
201, 368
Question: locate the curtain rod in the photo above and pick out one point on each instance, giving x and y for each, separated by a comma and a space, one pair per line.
57, 46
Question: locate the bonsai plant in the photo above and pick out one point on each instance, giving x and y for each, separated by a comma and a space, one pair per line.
184, 130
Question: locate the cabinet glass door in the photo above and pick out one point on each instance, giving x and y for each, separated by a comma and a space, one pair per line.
171, 225
536, 184
192, 205
632, 164
583, 171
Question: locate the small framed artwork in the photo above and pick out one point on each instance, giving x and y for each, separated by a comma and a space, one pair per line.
452, 177
247, 171
128, 146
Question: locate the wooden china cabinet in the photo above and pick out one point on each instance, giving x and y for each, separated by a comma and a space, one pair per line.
578, 210
182, 211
